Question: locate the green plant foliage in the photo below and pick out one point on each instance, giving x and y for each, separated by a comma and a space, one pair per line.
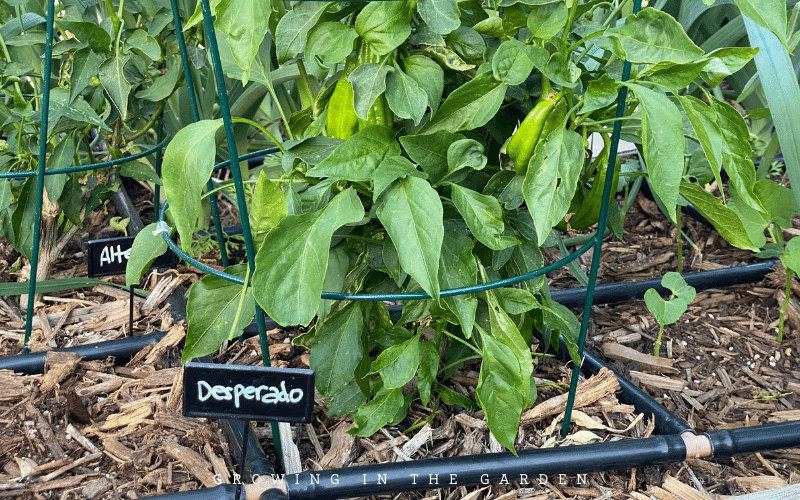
419, 194
669, 311
216, 311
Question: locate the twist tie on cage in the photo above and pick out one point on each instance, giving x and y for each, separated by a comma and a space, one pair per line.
162, 228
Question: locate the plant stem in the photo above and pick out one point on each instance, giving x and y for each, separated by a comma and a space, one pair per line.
678, 231
262, 129
787, 291
147, 126
454, 363
658, 340
572, 13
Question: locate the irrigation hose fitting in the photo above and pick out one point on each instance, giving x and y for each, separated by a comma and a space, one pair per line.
697, 446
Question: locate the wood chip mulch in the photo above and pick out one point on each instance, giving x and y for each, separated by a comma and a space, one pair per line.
100, 431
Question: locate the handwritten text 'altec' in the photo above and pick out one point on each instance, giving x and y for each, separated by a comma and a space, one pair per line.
264, 393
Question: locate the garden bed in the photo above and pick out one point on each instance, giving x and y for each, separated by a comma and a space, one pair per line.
721, 367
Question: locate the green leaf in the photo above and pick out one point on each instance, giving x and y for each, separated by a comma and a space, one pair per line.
777, 200
663, 143
405, 96
457, 269
331, 41
724, 219
547, 20
563, 322
442, 16
63, 156
292, 30
140, 171
211, 312
506, 331
470, 106
146, 248
337, 349
769, 14
267, 209
791, 255
465, 153
348, 401
429, 77
498, 391
510, 63
188, 163
600, 92
338, 264
484, 217
677, 285
22, 219
139, 39
6, 196
112, 77
709, 134
357, 158
89, 33
515, 300
669, 311
552, 178
506, 186
467, 44
428, 369
725, 61
753, 221
384, 26
391, 169
243, 38
451, 397
411, 212
398, 364
85, 65
652, 36
379, 412
292, 263
779, 81
430, 151
163, 86
734, 129
78, 110
369, 81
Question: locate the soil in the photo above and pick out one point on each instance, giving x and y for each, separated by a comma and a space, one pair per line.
101, 431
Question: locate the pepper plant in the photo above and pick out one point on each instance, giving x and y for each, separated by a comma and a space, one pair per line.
419, 184
112, 71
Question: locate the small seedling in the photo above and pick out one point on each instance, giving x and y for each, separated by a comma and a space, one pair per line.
669, 311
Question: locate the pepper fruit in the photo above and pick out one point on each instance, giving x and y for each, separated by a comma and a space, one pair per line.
523, 143
342, 118
379, 112
589, 211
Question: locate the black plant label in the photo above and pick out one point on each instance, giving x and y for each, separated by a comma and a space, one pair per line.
248, 392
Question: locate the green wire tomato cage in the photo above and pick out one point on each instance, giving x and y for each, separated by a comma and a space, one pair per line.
595, 242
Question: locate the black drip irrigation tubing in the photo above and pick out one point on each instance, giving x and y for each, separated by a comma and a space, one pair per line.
668, 447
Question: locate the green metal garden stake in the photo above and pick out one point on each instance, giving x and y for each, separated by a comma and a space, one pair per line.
176, 18
222, 92
37, 220
598, 242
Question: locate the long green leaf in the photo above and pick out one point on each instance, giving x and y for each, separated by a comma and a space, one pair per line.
779, 82
292, 263
411, 212
337, 349
188, 163
212, 312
